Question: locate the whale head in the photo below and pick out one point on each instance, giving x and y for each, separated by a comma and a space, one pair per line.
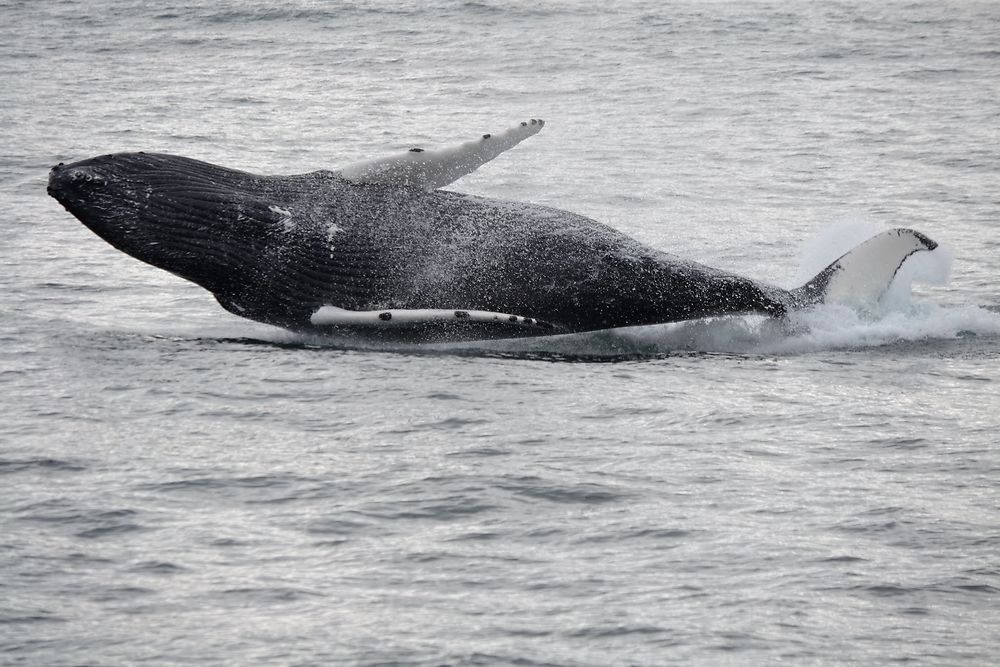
194, 219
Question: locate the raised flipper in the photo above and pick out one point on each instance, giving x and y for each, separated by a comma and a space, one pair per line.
432, 169
430, 324
860, 277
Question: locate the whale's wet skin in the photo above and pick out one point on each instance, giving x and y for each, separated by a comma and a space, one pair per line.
382, 258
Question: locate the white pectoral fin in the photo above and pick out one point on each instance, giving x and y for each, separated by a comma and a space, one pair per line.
332, 316
436, 168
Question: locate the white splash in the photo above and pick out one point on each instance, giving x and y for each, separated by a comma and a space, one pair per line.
821, 329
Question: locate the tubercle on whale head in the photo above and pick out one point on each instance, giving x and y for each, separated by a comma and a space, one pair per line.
60, 176
89, 190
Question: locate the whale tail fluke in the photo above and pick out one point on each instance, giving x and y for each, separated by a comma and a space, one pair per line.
861, 276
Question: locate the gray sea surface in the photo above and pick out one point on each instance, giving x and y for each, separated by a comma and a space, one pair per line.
179, 486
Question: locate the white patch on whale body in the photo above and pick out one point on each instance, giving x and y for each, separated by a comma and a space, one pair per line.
286, 217
332, 229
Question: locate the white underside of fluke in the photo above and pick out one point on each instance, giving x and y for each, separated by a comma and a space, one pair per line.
860, 277
333, 316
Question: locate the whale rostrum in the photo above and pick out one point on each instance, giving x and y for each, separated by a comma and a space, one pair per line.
376, 250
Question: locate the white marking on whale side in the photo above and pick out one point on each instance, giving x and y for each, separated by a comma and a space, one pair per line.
394, 317
286, 217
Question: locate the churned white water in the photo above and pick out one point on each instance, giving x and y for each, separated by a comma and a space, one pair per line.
180, 486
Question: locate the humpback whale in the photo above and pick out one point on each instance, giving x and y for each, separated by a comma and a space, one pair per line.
377, 250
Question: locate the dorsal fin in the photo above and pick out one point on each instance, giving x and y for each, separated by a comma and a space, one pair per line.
435, 168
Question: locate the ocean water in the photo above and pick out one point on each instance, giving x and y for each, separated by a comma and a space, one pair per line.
180, 486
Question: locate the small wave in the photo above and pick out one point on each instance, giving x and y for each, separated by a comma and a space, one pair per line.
8, 466
478, 659
842, 559
264, 595
930, 73
158, 567
658, 536
266, 14
13, 618
318, 15
443, 509
110, 530
888, 590
335, 527
215, 484
536, 488
273, 489
617, 631
477, 452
